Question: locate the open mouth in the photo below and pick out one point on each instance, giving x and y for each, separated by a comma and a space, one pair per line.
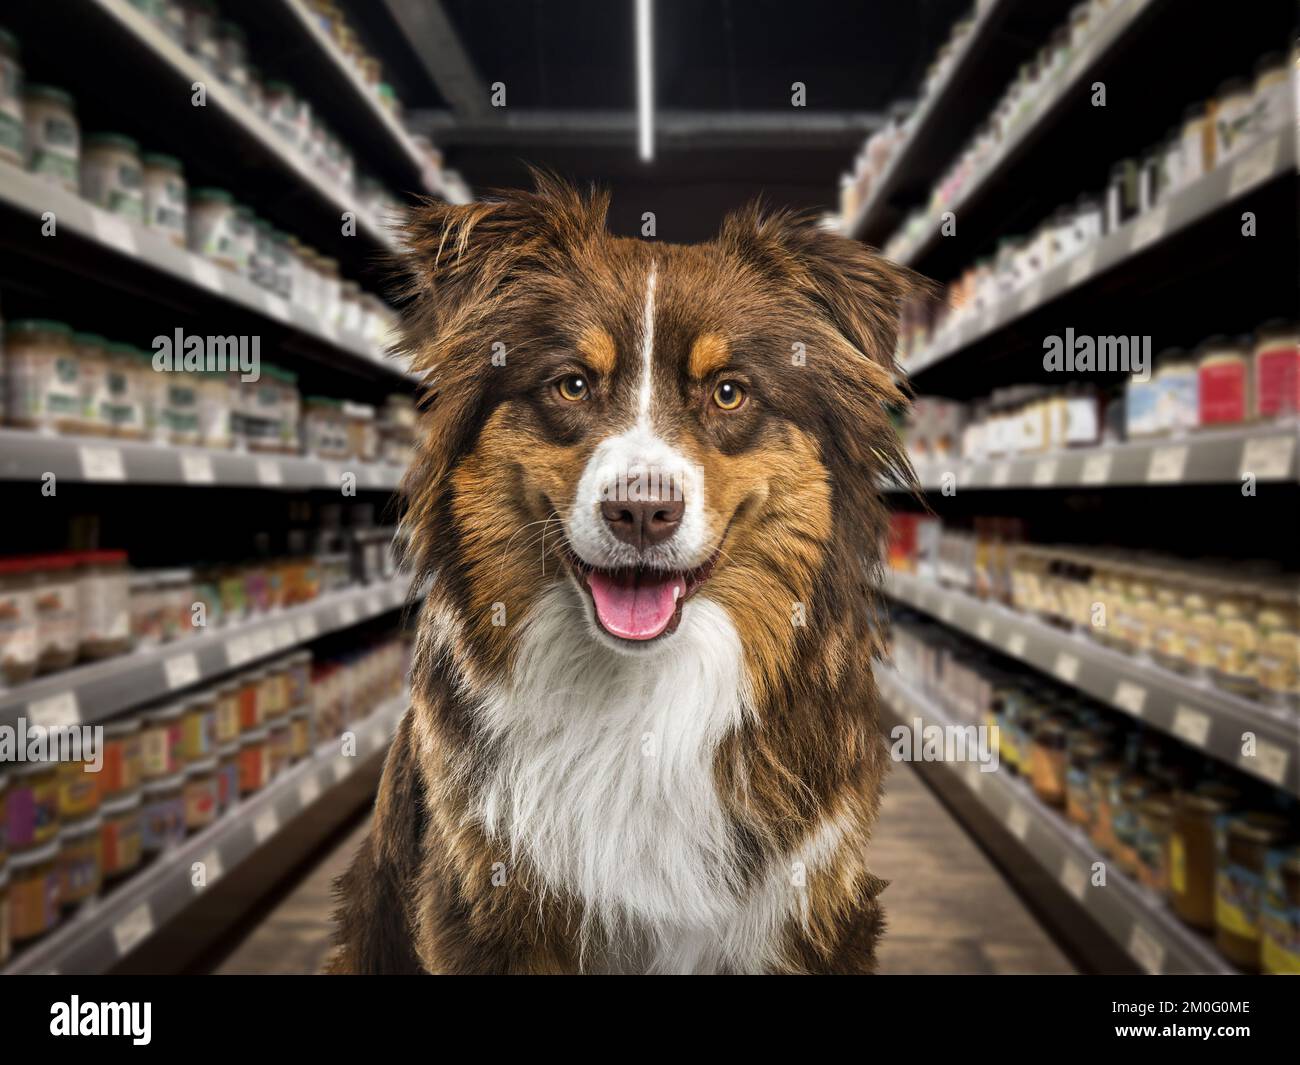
638, 602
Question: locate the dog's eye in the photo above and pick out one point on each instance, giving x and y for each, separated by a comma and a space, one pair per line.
573, 387
729, 395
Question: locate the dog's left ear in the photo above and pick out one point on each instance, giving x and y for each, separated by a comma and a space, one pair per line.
858, 291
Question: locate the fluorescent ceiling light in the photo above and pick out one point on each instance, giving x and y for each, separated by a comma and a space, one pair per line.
645, 82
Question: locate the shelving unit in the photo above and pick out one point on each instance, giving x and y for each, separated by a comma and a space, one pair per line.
94, 692
1138, 922
106, 930
1200, 716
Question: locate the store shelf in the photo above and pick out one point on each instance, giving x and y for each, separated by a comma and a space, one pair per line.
1128, 246
1213, 457
1136, 919
253, 129
1202, 717
105, 930
165, 268
94, 692
1119, 22
31, 456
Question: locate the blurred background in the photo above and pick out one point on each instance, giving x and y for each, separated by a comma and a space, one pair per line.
1101, 563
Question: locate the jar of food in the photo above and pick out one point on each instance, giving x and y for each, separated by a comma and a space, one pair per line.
198, 728
1047, 762
111, 175
1133, 791
1277, 657
1084, 754
232, 57
243, 238
52, 137
162, 818
179, 423
1177, 398
252, 710
201, 33
282, 110
1192, 851
78, 789
1201, 636
1247, 839
44, 380
1104, 795
33, 892
104, 601
165, 196
228, 776
146, 609
1238, 640
225, 725
80, 861
1154, 822
254, 761
92, 373
202, 794
120, 839
1276, 357
1198, 143
209, 225
262, 414
1232, 118
125, 386
289, 412
55, 604
362, 437
18, 624
1223, 385
31, 805
160, 745
298, 666
176, 602
280, 744
11, 115
1280, 919
324, 430
123, 766
299, 733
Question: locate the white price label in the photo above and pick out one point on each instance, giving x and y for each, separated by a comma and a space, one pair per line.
284, 636
1148, 228
1146, 950
1270, 762
275, 306
1031, 296
1191, 726
1018, 822
1253, 167
55, 711
1074, 878
306, 628
1044, 472
181, 671
1080, 267
114, 231
213, 870
373, 604
347, 615
1268, 458
269, 474
196, 468
206, 274
265, 825
984, 629
1016, 644
133, 929
239, 649
1167, 465
102, 463
1066, 667
263, 642
331, 475
947, 611
975, 779
309, 791
342, 767
1001, 474
1131, 697
1096, 469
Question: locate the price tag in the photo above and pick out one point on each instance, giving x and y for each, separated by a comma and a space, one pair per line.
374, 605
1018, 822
1167, 465
306, 628
263, 642
984, 629
347, 615
213, 869
1080, 266
196, 468
55, 711
1030, 297
101, 463
1148, 228
275, 306
133, 929
309, 790
342, 767
1044, 472
1074, 878
1096, 469
181, 671
1253, 167
331, 475
1270, 762
374, 475
1268, 458
206, 274
265, 825
1191, 726
1131, 697
975, 779
1066, 667
1146, 950
1001, 474
284, 635
239, 649
269, 474
1016, 644
114, 231
946, 612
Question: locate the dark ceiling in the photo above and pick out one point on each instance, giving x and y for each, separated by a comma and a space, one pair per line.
726, 128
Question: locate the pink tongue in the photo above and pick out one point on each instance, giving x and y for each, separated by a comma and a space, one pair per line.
635, 606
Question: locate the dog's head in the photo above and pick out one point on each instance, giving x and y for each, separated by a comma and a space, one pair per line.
648, 425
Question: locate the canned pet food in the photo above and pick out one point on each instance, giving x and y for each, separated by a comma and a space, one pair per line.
111, 176
17, 620
53, 139
299, 733
252, 709
164, 196
104, 623
254, 761
228, 776
280, 742
33, 892
202, 794
123, 758
78, 790
198, 728
57, 612
80, 861
1239, 884
32, 806
161, 742
225, 725
120, 835
162, 816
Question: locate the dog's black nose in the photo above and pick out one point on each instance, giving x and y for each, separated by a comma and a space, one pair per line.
644, 524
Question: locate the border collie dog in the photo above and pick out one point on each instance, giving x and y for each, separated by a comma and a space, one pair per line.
643, 734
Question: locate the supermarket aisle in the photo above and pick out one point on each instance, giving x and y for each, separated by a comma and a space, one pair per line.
950, 910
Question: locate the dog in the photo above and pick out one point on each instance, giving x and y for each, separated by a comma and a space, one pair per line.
643, 734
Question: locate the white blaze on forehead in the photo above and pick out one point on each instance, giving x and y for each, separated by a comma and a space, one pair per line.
647, 348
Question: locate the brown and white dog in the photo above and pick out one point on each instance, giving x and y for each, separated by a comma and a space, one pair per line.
644, 733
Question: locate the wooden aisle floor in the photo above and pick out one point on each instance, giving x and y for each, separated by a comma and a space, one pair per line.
949, 909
